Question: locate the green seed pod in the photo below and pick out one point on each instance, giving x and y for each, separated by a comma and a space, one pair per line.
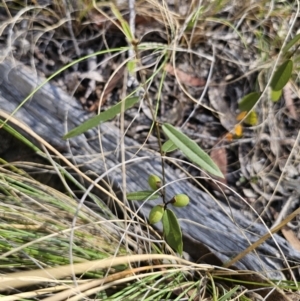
154, 182
180, 200
156, 214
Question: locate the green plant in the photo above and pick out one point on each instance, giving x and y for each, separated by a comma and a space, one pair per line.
195, 22
177, 140
171, 228
276, 80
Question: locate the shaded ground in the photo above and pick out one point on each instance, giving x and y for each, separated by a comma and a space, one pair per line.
211, 64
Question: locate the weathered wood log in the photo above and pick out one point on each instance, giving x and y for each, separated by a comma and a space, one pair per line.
225, 231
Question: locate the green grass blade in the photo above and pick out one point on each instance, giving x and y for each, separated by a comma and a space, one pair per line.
121, 49
228, 295
124, 24
142, 195
19, 136
102, 117
192, 150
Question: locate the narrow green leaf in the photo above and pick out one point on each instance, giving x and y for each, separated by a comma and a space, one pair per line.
142, 195
275, 95
195, 17
172, 231
248, 101
124, 23
291, 43
191, 150
102, 117
229, 295
282, 75
19, 136
168, 146
215, 292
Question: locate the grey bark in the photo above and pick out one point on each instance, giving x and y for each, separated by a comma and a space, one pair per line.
225, 231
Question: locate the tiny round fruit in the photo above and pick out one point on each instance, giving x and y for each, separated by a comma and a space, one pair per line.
156, 214
154, 182
180, 200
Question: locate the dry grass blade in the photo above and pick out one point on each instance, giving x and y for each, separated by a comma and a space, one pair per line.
263, 238
20, 279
